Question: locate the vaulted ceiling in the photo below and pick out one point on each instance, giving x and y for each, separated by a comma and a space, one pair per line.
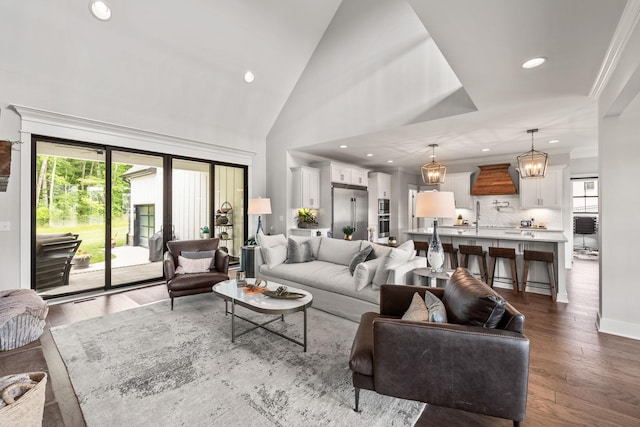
386, 77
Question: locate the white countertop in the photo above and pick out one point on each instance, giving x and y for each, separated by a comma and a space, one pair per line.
532, 234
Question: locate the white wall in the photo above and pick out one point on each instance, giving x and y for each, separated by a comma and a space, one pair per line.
619, 156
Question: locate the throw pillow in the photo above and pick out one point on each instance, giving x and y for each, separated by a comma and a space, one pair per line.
380, 278
275, 255
396, 257
271, 241
437, 310
314, 243
417, 311
200, 255
188, 266
298, 252
358, 258
364, 272
471, 302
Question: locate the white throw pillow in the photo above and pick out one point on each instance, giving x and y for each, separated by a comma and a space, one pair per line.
381, 274
401, 254
275, 255
271, 241
188, 266
364, 272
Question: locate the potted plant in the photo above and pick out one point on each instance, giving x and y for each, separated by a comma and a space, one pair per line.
348, 232
459, 221
81, 259
306, 218
204, 232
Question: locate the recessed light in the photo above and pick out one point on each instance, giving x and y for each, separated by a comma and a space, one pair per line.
248, 77
486, 149
389, 161
369, 155
100, 10
534, 62
553, 141
343, 146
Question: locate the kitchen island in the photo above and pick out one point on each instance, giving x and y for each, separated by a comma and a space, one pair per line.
516, 238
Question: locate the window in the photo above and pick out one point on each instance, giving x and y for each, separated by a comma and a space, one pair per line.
585, 195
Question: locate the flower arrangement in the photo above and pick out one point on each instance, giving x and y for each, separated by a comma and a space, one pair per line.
306, 218
82, 255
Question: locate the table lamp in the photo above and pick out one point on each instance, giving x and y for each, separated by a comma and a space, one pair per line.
435, 204
259, 207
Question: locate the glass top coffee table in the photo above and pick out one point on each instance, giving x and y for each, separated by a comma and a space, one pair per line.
260, 303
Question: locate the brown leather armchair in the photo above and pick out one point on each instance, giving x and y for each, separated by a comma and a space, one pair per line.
471, 368
194, 283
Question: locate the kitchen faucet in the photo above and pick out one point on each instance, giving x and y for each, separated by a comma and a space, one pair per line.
477, 216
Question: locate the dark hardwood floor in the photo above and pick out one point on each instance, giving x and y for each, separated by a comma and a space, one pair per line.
577, 376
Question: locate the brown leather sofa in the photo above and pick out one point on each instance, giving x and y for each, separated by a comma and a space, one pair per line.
194, 283
456, 365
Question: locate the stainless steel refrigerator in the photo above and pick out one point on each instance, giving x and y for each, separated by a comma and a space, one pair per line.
350, 206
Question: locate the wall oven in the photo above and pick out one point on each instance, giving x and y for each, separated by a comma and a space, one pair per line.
383, 207
383, 225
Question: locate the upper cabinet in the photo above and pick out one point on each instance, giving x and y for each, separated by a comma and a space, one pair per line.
460, 185
345, 174
306, 187
379, 185
542, 192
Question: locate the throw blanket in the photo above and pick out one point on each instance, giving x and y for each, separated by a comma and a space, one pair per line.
15, 302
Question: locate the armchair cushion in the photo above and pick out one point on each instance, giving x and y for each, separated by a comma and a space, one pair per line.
471, 302
200, 255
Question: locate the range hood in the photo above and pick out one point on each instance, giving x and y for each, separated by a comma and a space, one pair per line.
494, 180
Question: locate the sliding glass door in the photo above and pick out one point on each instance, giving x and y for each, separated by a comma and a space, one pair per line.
102, 215
137, 206
69, 206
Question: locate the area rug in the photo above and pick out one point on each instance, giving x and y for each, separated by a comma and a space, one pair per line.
153, 366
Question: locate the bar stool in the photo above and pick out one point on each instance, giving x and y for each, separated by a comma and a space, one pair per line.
505, 253
421, 246
467, 250
546, 257
453, 255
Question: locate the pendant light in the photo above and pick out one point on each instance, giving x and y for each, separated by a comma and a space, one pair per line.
532, 164
433, 172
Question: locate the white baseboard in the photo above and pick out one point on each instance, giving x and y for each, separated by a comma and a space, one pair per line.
617, 327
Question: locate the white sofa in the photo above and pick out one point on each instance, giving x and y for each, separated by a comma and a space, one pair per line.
328, 277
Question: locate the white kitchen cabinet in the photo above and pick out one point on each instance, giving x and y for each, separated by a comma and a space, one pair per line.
306, 187
460, 185
345, 174
379, 186
359, 177
340, 174
542, 192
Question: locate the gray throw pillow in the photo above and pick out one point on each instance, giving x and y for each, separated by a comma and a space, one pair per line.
417, 311
358, 258
437, 311
298, 252
200, 255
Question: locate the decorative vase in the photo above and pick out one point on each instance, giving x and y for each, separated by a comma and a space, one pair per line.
307, 225
435, 254
348, 237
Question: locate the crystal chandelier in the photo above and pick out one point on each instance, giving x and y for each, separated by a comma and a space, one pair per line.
433, 172
532, 164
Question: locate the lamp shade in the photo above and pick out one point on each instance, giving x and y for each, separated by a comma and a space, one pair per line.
435, 204
259, 206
